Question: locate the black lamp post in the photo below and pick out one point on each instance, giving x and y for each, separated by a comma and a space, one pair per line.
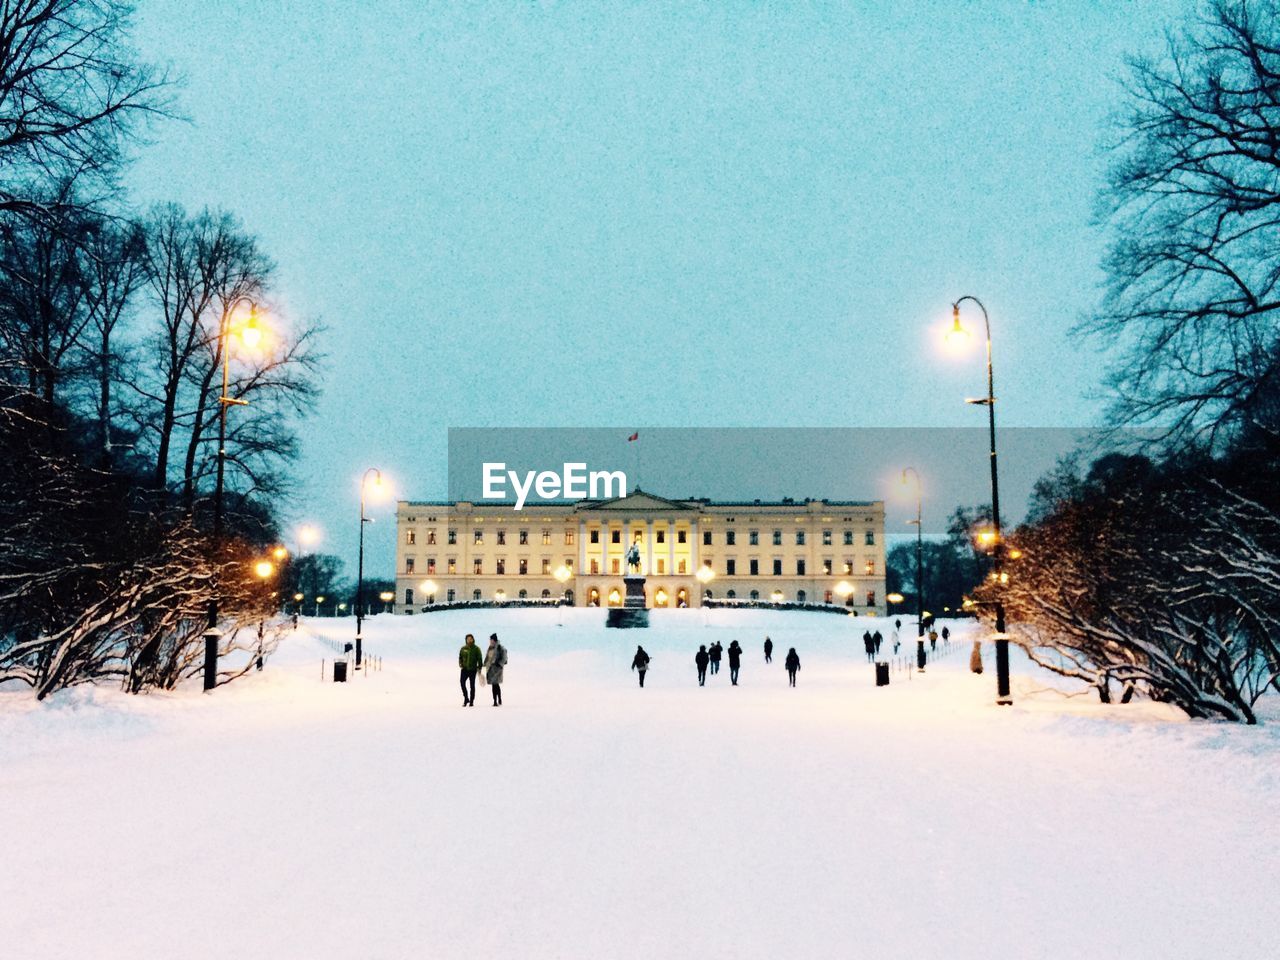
364, 482
920, 654
250, 335
1003, 696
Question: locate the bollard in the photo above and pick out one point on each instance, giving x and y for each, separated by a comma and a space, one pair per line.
322, 669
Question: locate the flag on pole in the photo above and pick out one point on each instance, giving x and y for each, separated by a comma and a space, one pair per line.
634, 436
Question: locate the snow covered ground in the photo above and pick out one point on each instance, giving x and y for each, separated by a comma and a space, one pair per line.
285, 817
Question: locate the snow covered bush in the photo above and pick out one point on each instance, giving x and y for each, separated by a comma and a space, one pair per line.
1154, 579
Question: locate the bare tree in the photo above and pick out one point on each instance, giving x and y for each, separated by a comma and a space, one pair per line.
70, 87
1194, 203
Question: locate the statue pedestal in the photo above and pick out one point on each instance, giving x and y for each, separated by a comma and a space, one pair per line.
633, 612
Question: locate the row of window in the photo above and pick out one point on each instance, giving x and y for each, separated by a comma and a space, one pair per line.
615, 536
660, 566
661, 598
411, 537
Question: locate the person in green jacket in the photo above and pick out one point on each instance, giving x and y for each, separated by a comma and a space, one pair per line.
470, 657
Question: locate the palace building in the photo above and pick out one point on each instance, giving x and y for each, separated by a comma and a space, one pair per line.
794, 551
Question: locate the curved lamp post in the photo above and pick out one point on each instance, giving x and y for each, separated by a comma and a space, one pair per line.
920, 654
250, 334
562, 574
364, 483
958, 333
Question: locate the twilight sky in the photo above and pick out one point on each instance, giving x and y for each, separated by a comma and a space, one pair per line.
644, 214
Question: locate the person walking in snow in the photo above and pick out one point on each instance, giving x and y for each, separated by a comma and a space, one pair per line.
735, 661
869, 644
897, 639
470, 659
877, 638
640, 662
701, 658
495, 659
933, 640
716, 651
897, 624
768, 650
946, 634
792, 664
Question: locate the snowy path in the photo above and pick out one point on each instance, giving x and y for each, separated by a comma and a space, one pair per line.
282, 817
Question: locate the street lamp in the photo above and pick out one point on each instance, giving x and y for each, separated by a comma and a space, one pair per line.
562, 574
704, 575
920, 655
956, 335
386, 596
250, 335
319, 600
364, 483
428, 588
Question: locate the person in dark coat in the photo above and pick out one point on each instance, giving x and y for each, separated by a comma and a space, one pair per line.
946, 634
869, 644
470, 659
495, 659
640, 662
714, 653
735, 661
897, 624
701, 658
877, 638
768, 650
792, 664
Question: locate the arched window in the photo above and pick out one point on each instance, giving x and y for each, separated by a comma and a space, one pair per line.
475, 594
568, 597
755, 594
800, 595
593, 598
524, 594
546, 594
732, 594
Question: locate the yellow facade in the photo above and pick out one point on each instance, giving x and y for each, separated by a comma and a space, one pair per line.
809, 551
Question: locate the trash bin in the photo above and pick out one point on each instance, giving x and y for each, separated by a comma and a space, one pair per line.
339, 671
882, 673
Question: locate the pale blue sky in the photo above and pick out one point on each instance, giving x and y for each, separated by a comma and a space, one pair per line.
734, 214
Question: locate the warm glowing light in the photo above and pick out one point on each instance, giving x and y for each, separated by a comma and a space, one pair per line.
777, 596
563, 573
428, 587
986, 537
308, 535
500, 595
319, 599
280, 553
251, 331
661, 597
894, 598
342, 606
386, 596
264, 568
957, 337
298, 597
615, 597
844, 588
1015, 554
705, 574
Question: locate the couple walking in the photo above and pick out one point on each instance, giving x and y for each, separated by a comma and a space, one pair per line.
702, 658
470, 662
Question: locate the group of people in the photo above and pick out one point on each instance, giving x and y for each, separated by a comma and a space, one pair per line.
472, 660
708, 660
